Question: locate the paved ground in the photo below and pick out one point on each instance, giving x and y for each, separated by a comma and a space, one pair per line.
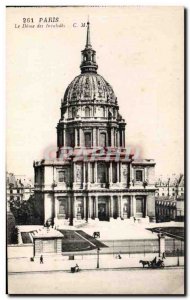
99, 282
85, 262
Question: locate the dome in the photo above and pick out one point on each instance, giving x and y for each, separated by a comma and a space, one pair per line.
89, 87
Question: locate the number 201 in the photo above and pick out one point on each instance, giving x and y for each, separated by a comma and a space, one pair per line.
28, 20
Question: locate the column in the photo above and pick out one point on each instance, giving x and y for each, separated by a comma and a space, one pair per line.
56, 209
145, 206
74, 173
96, 207
111, 206
121, 206
64, 137
132, 179
161, 239
134, 206
84, 206
81, 141
94, 136
117, 172
76, 144
68, 207
70, 210
97, 136
89, 173
123, 138
118, 139
146, 174
113, 138
84, 174
131, 207
87, 208
90, 207
95, 172
110, 174
74, 207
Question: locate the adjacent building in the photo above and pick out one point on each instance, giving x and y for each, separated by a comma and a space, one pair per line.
170, 199
93, 177
18, 187
172, 186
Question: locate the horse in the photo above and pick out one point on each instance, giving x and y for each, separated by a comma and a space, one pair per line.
144, 263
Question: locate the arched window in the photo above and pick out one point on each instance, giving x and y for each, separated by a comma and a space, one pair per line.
87, 112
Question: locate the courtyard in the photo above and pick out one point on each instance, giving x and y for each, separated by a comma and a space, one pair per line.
131, 281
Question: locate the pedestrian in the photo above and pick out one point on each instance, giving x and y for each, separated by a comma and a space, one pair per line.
41, 259
76, 268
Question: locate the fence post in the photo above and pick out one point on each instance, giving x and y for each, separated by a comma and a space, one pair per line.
161, 239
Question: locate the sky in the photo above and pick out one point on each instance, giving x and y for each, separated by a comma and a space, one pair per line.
139, 52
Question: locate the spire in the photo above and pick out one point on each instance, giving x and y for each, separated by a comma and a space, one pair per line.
88, 63
88, 44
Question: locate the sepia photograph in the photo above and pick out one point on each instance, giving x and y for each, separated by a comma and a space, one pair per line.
95, 182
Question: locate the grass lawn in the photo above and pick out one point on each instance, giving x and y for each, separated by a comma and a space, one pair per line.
26, 238
175, 232
78, 241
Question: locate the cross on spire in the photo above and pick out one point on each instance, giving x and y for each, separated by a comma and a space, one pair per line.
88, 44
88, 63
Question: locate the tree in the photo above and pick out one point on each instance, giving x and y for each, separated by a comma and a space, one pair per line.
26, 212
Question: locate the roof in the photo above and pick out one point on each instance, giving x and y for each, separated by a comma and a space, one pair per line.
173, 180
47, 233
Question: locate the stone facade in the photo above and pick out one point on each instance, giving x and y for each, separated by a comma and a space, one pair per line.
93, 177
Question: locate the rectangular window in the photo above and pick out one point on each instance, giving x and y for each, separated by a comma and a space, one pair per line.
114, 172
103, 139
62, 176
88, 142
138, 175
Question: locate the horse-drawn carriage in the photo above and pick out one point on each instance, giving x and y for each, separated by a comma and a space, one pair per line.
154, 264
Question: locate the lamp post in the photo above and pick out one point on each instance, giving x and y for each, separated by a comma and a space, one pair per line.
177, 257
98, 257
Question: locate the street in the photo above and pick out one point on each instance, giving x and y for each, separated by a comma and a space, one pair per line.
166, 281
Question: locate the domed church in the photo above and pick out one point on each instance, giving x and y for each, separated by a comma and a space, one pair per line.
93, 177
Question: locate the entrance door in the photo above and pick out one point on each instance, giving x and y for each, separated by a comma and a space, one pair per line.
140, 207
102, 212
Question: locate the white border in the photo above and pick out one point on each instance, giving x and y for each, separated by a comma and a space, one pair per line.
4, 3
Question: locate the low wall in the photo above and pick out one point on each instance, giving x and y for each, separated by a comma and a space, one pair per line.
19, 251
